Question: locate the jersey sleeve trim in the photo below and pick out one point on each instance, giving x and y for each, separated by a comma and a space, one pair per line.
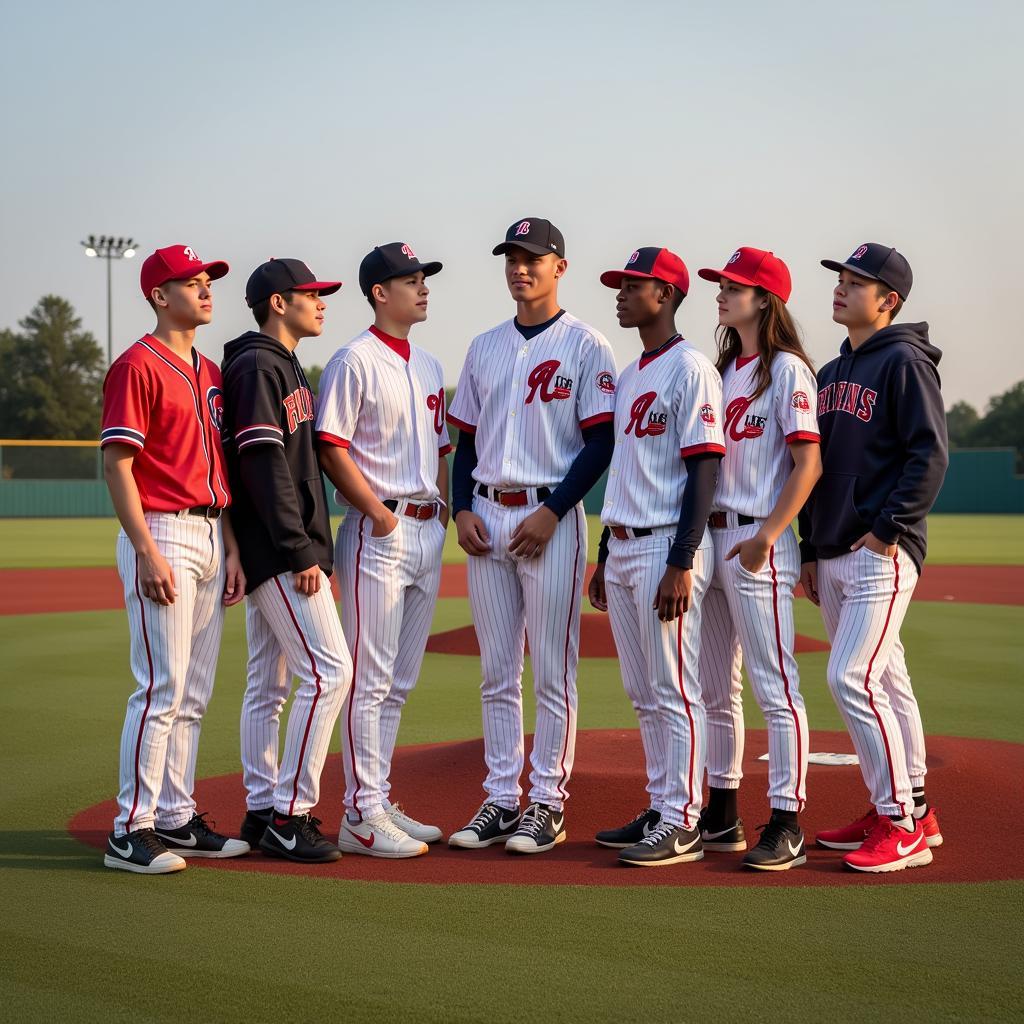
333, 439
701, 449
803, 435
590, 421
469, 428
443, 450
122, 435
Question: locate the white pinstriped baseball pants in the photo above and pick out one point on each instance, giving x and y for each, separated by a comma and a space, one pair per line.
174, 652
388, 592
659, 662
291, 634
748, 620
512, 598
864, 598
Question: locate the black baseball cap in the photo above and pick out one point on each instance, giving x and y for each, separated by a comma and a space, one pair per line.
396, 259
275, 277
534, 234
880, 263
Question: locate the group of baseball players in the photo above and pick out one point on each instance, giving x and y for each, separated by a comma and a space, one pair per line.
708, 465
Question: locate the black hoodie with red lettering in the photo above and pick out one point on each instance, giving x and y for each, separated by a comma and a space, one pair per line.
883, 445
279, 510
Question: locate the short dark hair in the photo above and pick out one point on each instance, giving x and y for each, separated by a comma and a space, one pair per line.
677, 298
884, 289
261, 311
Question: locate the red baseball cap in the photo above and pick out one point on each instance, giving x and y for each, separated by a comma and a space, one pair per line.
176, 263
651, 262
754, 267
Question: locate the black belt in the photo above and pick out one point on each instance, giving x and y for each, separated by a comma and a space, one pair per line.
720, 521
518, 497
205, 511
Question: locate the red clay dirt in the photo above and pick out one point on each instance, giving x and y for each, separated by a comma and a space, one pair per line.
38, 591
440, 783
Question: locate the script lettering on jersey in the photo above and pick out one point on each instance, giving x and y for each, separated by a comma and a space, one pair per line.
299, 406
543, 375
845, 396
435, 402
753, 426
655, 421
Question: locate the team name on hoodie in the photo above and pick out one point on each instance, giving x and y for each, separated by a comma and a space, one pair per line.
846, 396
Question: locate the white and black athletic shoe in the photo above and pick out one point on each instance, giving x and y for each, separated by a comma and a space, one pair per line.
667, 844
778, 849
632, 832
254, 824
298, 838
540, 828
491, 824
142, 852
722, 837
196, 839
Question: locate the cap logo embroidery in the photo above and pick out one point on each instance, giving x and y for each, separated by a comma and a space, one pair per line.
407, 251
523, 229
734, 257
859, 253
634, 257
190, 254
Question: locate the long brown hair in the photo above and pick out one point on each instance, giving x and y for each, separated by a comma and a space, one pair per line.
776, 332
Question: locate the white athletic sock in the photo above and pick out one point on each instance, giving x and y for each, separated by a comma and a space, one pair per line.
907, 824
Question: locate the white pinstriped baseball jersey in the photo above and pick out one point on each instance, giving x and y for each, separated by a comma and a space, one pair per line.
757, 462
527, 401
383, 399
668, 407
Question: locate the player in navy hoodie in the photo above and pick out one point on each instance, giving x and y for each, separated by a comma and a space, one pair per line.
884, 455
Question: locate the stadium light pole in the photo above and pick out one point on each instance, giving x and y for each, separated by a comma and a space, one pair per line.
109, 248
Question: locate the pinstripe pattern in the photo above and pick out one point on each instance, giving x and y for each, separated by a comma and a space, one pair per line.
659, 661
388, 591
896, 683
173, 657
864, 598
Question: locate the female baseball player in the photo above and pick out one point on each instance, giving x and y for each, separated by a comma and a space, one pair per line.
381, 425
177, 559
534, 410
884, 451
654, 567
284, 532
772, 461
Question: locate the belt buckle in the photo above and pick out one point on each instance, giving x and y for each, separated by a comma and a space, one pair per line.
424, 511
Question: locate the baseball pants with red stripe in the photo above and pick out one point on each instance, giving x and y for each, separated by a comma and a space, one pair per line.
512, 598
174, 652
864, 598
291, 634
748, 620
659, 664
388, 592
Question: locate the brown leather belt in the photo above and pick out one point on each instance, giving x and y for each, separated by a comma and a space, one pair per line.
511, 498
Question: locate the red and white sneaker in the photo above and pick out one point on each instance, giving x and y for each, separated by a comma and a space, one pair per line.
930, 824
849, 837
889, 848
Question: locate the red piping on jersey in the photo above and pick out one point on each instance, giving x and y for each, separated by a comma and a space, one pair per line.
400, 346
332, 439
590, 421
312, 709
565, 670
803, 435
867, 682
689, 718
646, 359
742, 361
149, 698
441, 452
801, 800
467, 427
699, 449
355, 665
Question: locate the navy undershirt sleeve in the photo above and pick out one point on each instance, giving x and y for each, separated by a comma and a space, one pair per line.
586, 469
698, 494
602, 546
463, 465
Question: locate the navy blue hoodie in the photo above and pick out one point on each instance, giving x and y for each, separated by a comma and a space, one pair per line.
883, 445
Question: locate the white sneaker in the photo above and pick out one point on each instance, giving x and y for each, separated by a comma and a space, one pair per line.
412, 827
378, 837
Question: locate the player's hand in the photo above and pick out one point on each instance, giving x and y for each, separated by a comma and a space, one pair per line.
234, 578
385, 524
673, 597
156, 577
596, 591
752, 552
533, 533
872, 543
473, 536
809, 581
308, 581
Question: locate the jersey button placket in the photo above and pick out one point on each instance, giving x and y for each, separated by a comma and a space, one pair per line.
514, 399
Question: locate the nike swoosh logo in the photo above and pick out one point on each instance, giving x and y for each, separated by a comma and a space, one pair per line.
903, 851
366, 842
127, 852
648, 828
688, 846
795, 852
288, 844
718, 835
191, 841
557, 825
502, 823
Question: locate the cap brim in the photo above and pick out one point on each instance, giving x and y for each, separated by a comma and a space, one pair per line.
716, 275
859, 271
214, 270
613, 278
323, 287
504, 247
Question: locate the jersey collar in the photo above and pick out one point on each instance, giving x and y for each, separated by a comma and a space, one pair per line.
649, 357
400, 346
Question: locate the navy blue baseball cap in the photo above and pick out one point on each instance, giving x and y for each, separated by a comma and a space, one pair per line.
396, 259
534, 234
880, 263
278, 276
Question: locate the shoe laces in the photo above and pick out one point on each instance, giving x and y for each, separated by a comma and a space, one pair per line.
535, 817
879, 834
772, 834
201, 825
486, 814
386, 827
660, 833
148, 840
306, 825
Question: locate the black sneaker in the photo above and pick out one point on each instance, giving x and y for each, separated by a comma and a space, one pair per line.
492, 824
778, 849
630, 834
142, 852
540, 828
254, 824
298, 838
721, 837
196, 839
667, 844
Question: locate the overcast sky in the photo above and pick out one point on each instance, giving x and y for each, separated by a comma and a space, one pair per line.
317, 130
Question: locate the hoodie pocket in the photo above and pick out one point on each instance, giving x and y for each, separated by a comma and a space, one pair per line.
837, 523
314, 515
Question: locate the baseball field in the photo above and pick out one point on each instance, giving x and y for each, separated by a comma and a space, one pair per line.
463, 936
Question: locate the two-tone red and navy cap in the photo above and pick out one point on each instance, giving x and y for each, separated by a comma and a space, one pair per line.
275, 277
757, 268
652, 262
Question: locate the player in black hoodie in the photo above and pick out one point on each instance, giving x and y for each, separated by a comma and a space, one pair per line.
884, 455
284, 536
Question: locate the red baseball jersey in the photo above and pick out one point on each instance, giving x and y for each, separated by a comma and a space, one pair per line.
171, 411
